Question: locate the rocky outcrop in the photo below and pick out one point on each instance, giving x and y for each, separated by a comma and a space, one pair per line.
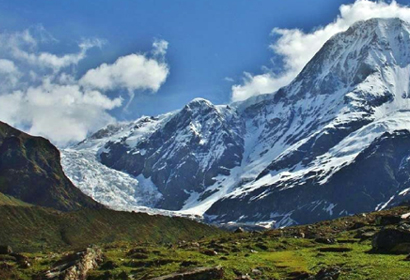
185, 153
30, 170
392, 240
378, 173
75, 266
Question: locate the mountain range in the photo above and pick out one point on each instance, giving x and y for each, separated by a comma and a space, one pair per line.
334, 142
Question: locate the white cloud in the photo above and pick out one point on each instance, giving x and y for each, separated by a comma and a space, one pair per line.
132, 72
292, 45
7, 67
55, 62
229, 80
9, 73
160, 47
23, 47
43, 96
62, 113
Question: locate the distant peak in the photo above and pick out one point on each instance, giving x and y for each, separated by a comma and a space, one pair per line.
381, 24
199, 102
393, 20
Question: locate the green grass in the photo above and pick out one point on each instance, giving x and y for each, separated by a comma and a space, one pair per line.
282, 255
356, 264
11, 201
40, 229
165, 244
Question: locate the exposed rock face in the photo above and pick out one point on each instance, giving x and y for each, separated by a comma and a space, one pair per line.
202, 273
75, 266
191, 148
377, 174
342, 161
30, 170
392, 241
333, 142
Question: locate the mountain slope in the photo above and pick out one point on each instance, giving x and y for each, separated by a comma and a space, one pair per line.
33, 228
356, 88
31, 175
318, 148
30, 170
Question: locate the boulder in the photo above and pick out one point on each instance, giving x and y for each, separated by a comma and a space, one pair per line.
405, 216
75, 266
396, 241
388, 220
256, 271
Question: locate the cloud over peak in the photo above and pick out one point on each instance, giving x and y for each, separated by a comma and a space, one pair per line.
291, 45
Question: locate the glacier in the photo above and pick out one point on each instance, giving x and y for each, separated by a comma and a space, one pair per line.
313, 150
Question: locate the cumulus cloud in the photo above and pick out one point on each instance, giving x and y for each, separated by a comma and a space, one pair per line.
62, 113
291, 45
44, 97
132, 72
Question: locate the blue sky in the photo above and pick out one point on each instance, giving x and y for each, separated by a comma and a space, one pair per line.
208, 40
211, 44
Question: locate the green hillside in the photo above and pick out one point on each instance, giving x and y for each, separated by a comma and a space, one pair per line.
30, 170
341, 249
37, 228
11, 201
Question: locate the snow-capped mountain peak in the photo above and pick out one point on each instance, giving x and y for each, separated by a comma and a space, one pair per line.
288, 157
